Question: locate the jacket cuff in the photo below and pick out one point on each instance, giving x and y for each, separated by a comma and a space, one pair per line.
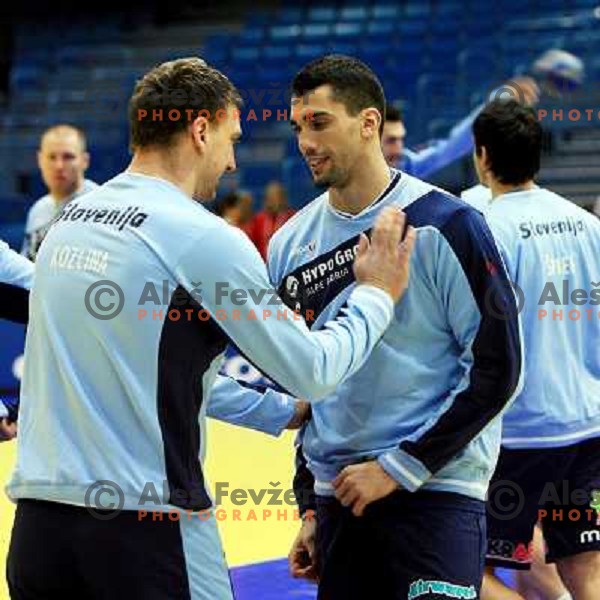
409, 472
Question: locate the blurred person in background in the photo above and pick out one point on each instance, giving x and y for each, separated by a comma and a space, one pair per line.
556, 72
63, 160
247, 208
236, 209
440, 153
16, 276
274, 214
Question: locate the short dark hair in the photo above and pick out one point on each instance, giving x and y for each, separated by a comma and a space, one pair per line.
393, 114
512, 137
186, 84
228, 201
354, 84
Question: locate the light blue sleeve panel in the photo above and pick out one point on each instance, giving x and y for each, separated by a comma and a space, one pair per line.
240, 404
238, 294
15, 269
443, 152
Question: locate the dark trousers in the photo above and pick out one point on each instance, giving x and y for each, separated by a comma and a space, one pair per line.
408, 545
58, 551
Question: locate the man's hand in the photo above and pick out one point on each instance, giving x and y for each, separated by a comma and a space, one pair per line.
384, 262
359, 485
8, 431
301, 415
301, 558
526, 90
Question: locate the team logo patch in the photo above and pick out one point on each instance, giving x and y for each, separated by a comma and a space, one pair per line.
291, 286
307, 249
442, 588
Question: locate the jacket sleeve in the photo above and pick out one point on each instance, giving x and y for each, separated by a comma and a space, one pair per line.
241, 404
482, 313
441, 153
238, 295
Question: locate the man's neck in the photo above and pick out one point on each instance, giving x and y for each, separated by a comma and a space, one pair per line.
157, 164
61, 197
369, 180
498, 189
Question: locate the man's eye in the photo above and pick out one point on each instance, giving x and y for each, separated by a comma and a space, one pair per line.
318, 125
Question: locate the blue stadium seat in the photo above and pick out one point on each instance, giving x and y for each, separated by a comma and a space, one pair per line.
258, 20
252, 35
354, 13
445, 27
415, 47
343, 46
375, 43
322, 15
309, 51
315, 31
35, 57
443, 49
277, 52
215, 53
419, 10
347, 30
274, 74
290, 15
285, 32
27, 77
245, 54
435, 92
382, 27
447, 9
413, 27
386, 11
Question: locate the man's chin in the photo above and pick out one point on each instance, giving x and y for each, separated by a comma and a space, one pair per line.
324, 181
205, 196
61, 189
204, 199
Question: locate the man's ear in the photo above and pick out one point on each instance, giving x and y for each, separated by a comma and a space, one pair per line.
370, 122
484, 157
200, 132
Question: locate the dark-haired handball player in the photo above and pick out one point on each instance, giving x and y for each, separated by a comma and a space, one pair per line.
399, 456
551, 434
553, 73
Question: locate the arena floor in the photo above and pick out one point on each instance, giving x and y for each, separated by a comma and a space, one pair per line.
254, 548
